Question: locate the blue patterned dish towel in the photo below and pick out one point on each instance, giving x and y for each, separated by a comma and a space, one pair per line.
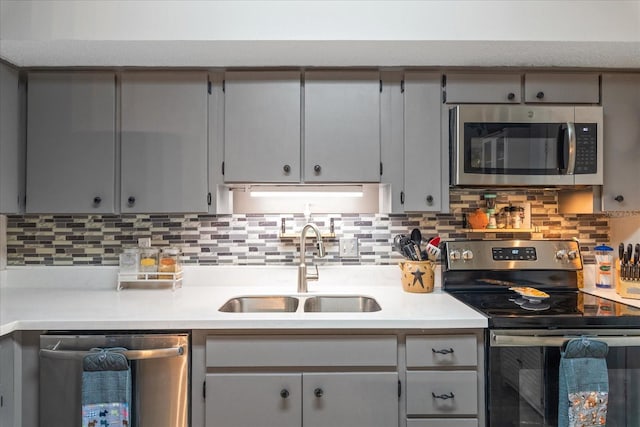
106, 388
584, 384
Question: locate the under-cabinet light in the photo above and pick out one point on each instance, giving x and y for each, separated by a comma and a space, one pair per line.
315, 192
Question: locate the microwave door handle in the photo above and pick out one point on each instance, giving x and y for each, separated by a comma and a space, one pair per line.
571, 139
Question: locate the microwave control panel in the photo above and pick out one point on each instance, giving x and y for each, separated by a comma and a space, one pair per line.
586, 148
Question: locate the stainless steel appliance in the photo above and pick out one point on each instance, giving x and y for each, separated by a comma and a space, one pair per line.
160, 364
525, 335
516, 145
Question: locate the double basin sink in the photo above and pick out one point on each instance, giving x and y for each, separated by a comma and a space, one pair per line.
310, 304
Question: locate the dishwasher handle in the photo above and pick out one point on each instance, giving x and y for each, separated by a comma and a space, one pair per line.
155, 353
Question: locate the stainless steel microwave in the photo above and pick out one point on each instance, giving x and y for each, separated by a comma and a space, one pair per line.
521, 145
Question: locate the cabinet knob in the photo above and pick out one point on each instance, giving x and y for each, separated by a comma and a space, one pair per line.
540, 95
429, 199
284, 393
619, 198
511, 96
286, 168
318, 392
131, 200
317, 169
97, 200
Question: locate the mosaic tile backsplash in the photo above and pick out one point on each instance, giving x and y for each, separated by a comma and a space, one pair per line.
254, 239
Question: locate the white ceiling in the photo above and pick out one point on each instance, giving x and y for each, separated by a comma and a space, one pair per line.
216, 33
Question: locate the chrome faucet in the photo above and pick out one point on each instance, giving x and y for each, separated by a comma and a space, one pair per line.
303, 276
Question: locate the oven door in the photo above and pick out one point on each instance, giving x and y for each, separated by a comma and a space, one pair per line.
523, 369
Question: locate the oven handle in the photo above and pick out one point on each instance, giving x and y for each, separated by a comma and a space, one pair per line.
156, 353
499, 340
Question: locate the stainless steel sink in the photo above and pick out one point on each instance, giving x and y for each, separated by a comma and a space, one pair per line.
340, 303
261, 304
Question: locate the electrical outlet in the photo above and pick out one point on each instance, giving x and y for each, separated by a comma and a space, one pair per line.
144, 242
348, 248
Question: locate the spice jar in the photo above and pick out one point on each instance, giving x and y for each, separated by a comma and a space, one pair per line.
129, 260
148, 262
169, 262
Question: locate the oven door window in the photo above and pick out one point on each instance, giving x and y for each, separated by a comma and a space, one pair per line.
515, 148
523, 386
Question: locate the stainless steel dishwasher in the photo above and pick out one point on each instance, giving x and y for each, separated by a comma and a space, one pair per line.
160, 365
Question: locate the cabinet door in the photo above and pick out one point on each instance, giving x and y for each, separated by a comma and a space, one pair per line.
11, 142
7, 391
342, 126
71, 142
422, 142
349, 399
621, 106
164, 142
574, 88
262, 127
248, 400
503, 88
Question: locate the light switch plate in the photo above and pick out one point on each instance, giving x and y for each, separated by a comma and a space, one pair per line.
348, 248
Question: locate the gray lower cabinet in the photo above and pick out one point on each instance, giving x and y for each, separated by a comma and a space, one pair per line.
621, 106
164, 141
301, 381
366, 399
444, 380
11, 141
422, 142
7, 379
262, 126
341, 126
71, 142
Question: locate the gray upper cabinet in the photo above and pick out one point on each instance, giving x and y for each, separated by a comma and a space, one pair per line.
342, 126
71, 142
621, 105
262, 126
570, 88
480, 88
164, 141
11, 141
422, 142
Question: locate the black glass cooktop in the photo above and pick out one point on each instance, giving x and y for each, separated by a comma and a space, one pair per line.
563, 309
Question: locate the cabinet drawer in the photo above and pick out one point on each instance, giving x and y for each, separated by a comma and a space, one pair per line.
301, 350
444, 422
428, 351
442, 392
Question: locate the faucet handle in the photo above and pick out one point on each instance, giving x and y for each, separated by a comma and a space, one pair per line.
313, 276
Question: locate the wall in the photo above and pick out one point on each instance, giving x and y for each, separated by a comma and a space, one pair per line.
589, 33
254, 238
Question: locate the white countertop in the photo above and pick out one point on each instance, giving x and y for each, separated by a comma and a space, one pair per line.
85, 298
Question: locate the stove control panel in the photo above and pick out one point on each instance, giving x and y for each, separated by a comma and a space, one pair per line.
512, 254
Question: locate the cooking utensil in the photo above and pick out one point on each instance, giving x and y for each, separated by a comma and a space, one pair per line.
416, 236
636, 262
409, 252
433, 248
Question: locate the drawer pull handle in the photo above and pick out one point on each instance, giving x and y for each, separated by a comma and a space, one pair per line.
442, 396
284, 393
318, 392
443, 351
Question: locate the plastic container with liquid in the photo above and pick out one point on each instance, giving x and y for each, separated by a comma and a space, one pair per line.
604, 266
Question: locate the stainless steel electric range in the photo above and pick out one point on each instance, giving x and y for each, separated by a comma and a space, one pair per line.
528, 289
